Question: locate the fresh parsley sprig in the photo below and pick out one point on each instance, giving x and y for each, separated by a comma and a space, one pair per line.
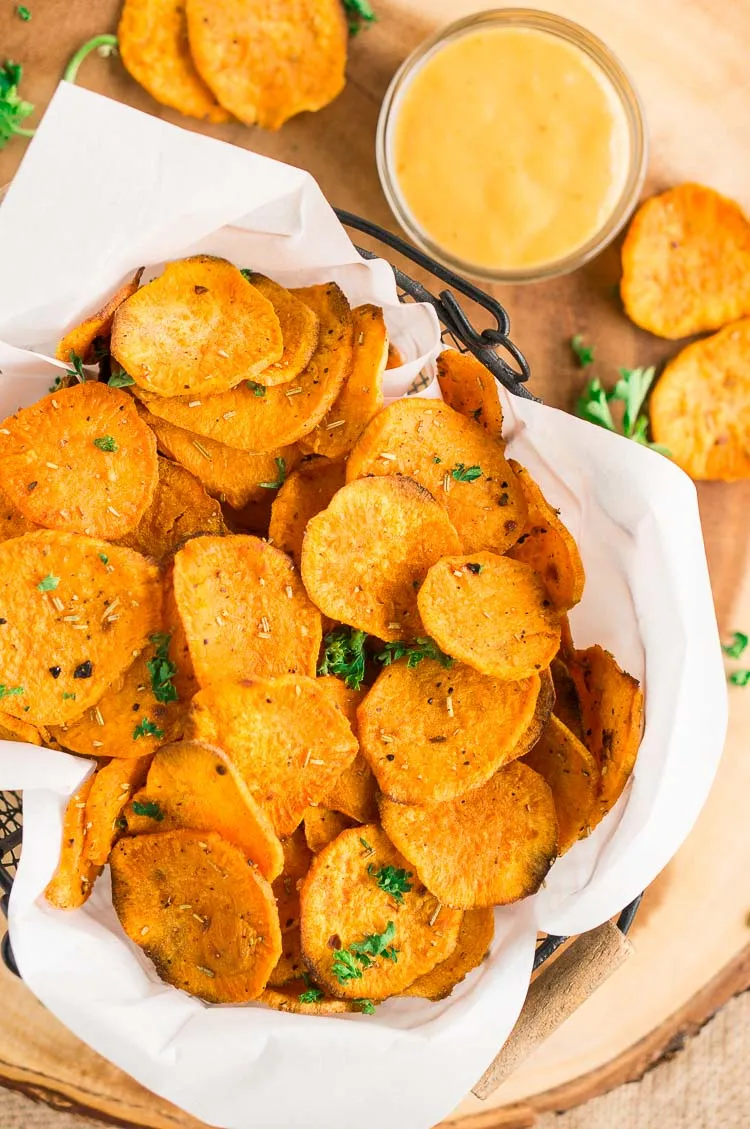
414, 652
13, 109
631, 390
344, 656
162, 670
106, 443
349, 964
359, 13
148, 808
147, 728
104, 44
392, 880
584, 354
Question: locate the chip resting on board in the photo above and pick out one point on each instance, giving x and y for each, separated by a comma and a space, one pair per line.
308, 490
72, 882
112, 787
471, 389
573, 776
179, 510
300, 330
474, 940
205, 919
80, 342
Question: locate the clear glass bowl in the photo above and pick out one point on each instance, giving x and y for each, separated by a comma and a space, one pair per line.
612, 69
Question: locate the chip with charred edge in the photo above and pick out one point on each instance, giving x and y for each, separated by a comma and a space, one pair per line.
490, 847
80, 460
492, 613
79, 341
686, 262
459, 463
180, 509
474, 940
573, 775
193, 785
153, 46
308, 490
431, 733
290, 997
364, 557
12, 522
361, 398
297, 860
471, 389
290, 965
357, 940
199, 328
253, 418
700, 406
74, 613
244, 610
287, 740
112, 787
73, 881
612, 712
322, 826
567, 705
547, 546
264, 64
354, 792
218, 940
300, 330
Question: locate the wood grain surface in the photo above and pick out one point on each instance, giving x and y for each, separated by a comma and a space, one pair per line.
688, 60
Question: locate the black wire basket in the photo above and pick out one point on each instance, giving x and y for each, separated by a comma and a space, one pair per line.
491, 346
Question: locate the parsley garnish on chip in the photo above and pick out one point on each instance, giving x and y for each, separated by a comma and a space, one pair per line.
349, 964
49, 583
76, 368
258, 389
463, 473
11, 691
422, 648
148, 808
162, 670
106, 443
344, 655
392, 880
147, 728
311, 996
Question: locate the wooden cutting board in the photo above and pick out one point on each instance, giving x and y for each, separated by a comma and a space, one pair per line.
692, 936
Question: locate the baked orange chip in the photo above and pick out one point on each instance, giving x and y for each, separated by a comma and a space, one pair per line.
573, 776
462, 467
199, 328
474, 940
431, 733
80, 341
700, 406
74, 612
364, 557
252, 417
308, 490
284, 736
74, 878
244, 610
354, 792
180, 509
153, 45
267, 64
300, 330
489, 847
567, 705
290, 965
183, 679
13, 729
112, 787
12, 521
80, 460
216, 939
686, 262
297, 997
492, 613
297, 860
395, 356
471, 389
547, 546
322, 826
358, 939
361, 398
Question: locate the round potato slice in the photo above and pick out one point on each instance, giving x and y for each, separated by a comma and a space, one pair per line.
79, 341
357, 939
180, 509
432, 734
299, 998
471, 389
244, 610
153, 46
307, 491
199, 328
492, 613
80, 460
459, 463
474, 940
74, 613
300, 330
490, 847
205, 919
573, 776
364, 557
287, 740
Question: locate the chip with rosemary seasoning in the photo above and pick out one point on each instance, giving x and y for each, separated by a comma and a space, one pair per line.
469, 388
305, 492
80, 341
73, 881
112, 788
180, 509
573, 775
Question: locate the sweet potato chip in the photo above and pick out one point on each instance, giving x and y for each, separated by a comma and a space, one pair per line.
307, 491
192, 785
353, 794
700, 407
218, 940
13, 729
290, 965
430, 733
474, 940
112, 788
244, 610
357, 939
573, 776
567, 705
266, 64
300, 330
395, 356
492, 613
80, 460
253, 418
74, 878
322, 826
471, 389
462, 467
183, 679
547, 546
366, 554
74, 612
153, 46
284, 736
361, 398
12, 521
297, 997
686, 262
79, 341
180, 509
489, 847
297, 861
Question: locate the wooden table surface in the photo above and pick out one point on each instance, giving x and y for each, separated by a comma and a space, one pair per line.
688, 60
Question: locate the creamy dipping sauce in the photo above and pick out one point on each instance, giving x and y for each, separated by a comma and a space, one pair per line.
510, 148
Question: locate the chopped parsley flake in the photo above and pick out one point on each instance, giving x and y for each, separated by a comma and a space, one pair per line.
162, 670
367, 1007
257, 389
68, 697
49, 583
344, 655
106, 443
392, 880
463, 473
311, 996
23, 13
365, 844
104, 558
740, 677
148, 808
737, 647
348, 964
414, 652
11, 691
147, 728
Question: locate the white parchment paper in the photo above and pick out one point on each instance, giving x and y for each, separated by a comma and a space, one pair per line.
69, 236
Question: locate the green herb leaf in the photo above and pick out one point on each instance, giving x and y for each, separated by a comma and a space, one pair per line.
120, 379
11, 691
737, 647
13, 110
436, 459
367, 1007
68, 697
344, 966
348, 964
247, 274
49, 583
311, 996
359, 14
280, 477
593, 405
148, 808
104, 44
740, 677
584, 354
392, 881
422, 648
162, 670
632, 389
463, 473
104, 558
106, 443
258, 389
147, 728
344, 655
76, 368
23, 13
